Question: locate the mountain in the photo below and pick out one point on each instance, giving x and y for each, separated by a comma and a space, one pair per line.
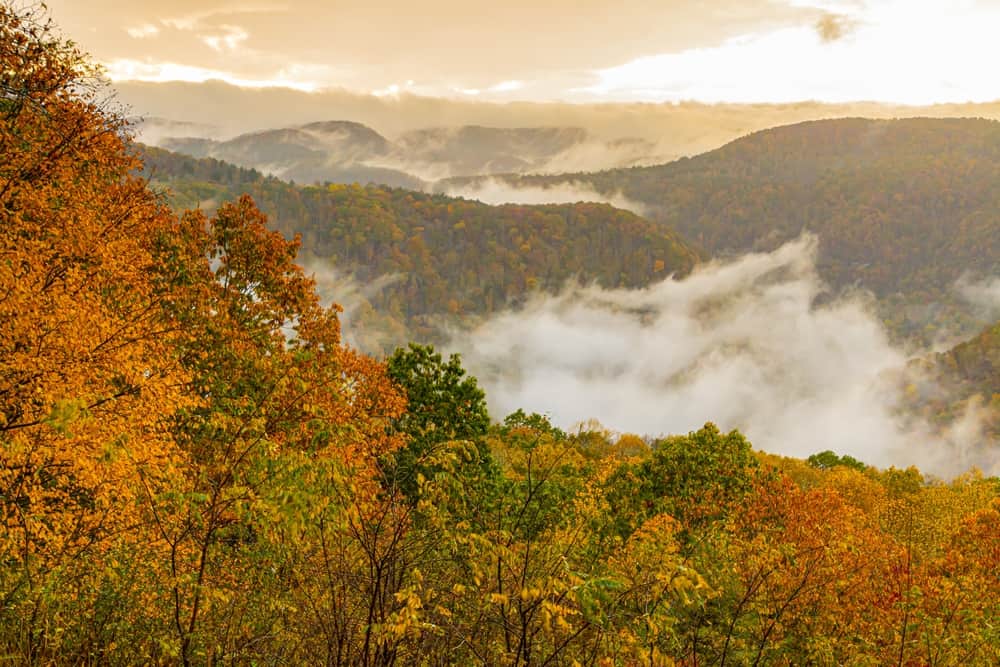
959, 388
677, 128
903, 208
347, 152
334, 151
975, 364
474, 149
434, 258
155, 130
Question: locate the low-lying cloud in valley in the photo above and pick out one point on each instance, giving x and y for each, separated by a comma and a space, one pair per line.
352, 295
742, 344
497, 191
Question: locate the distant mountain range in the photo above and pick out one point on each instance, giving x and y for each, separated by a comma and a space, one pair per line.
349, 152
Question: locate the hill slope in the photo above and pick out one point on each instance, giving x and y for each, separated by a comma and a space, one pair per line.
960, 388
901, 207
433, 255
335, 151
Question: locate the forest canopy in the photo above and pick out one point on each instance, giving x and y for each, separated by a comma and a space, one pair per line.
195, 469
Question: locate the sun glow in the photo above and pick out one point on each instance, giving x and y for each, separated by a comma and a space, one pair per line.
136, 70
897, 52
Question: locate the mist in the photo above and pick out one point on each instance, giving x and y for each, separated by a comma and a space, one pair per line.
686, 128
983, 295
335, 286
496, 191
742, 344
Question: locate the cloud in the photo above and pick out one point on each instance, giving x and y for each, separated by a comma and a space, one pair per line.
163, 72
230, 38
335, 286
740, 344
445, 45
983, 295
496, 191
506, 86
199, 18
143, 31
714, 50
898, 52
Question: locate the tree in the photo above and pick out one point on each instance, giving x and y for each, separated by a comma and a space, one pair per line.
86, 368
283, 404
828, 459
443, 404
697, 478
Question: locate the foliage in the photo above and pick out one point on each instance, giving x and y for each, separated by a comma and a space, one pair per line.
697, 479
438, 257
192, 469
443, 404
827, 459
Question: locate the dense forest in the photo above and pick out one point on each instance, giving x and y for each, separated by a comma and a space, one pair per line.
194, 469
446, 257
902, 208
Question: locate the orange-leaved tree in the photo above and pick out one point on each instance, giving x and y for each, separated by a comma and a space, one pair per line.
86, 371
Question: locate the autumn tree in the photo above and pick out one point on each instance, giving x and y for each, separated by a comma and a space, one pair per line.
86, 374
283, 403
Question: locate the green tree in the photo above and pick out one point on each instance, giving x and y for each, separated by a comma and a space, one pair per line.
828, 459
695, 478
444, 404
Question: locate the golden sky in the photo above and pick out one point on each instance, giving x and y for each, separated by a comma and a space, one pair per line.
897, 51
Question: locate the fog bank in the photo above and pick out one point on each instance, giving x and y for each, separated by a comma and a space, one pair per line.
496, 191
740, 344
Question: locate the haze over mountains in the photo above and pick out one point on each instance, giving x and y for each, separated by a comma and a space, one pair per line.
348, 152
430, 138
688, 128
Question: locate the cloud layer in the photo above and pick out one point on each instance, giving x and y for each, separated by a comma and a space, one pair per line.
983, 295
494, 191
740, 344
518, 49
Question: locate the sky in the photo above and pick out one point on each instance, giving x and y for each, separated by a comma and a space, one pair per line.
912, 52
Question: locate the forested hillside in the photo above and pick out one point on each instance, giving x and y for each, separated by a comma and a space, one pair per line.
901, 207
976, 362
445, 256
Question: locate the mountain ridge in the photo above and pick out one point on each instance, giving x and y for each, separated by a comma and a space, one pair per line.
903, 208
